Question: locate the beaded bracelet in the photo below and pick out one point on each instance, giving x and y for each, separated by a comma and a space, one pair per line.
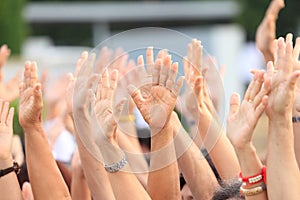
253, 191
257, 178
116, 166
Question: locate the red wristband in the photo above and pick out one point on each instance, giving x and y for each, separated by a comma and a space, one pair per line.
257, 178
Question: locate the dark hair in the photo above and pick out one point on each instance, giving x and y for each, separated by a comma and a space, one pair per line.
229, 189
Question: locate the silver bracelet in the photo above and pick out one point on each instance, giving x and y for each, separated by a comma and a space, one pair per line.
116, 166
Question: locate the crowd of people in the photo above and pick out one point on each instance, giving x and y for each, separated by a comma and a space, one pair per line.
90, 147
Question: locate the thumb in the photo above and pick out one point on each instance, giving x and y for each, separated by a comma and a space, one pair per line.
135, 94
38, 97
293, 79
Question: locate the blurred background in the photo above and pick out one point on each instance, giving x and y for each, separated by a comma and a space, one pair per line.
55, 32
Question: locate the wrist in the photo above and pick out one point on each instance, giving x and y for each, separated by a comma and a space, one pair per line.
37, 127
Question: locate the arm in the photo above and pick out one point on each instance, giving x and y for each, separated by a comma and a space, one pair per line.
9, 184
94, 172
296, 106
156, 106
193, 164
79, 187
266, 32
104, 130
281, 155
210, 129
241, 122
40, 162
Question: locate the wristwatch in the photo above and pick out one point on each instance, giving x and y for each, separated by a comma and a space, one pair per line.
15, 168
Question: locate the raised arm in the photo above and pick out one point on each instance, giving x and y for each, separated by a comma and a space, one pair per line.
296, 106
193, 164
266, 32
156, 106
40, 162
94, 172
104, 129
10, 189
280, 152
241, 122
209, 127
79, 187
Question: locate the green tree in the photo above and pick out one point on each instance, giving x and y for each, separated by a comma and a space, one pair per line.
12, 27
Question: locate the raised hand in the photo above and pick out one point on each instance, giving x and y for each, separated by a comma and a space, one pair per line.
31, 102
266, 32
104, 113
157, 106
242, 119
283, 80
72, 80
6, 131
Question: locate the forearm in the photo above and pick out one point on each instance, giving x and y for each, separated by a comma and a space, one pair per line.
221, 151
42, 166
135, 158
79, 188
281, 161
94, 171
163, 180
10, 189
296, 130
124, 183
250, 165
194, 167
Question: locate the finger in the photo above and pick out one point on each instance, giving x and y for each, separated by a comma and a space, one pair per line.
33, 74
9, 120
186, 68
263, 92
296, 51
113, 83
178, 86
279, 64
172, 76
198, 89
257, 84
135, 95
119, 107
288, 67
92, 98
270, 69
234, 104
21, 88
80, 62
156, 71
163, 76
261, 107
4, 112
87, 66
250, 87
293, 79
27, 72
197, 54
38, 98
99, 86
149, 60
105, 84
141, 68
274, 7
